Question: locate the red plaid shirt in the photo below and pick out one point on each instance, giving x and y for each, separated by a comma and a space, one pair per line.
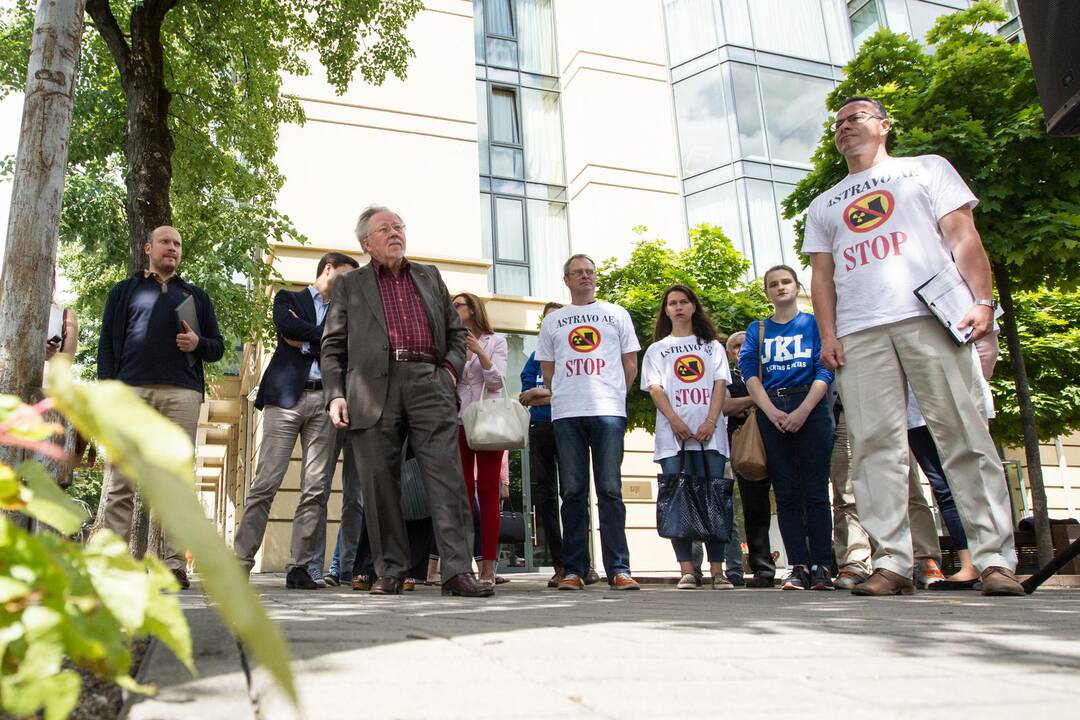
406, 321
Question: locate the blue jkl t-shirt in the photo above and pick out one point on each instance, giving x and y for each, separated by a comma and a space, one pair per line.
791, 353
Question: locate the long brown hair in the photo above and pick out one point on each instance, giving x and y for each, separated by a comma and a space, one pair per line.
699, 321
479, 314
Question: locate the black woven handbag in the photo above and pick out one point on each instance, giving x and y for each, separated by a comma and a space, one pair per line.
692, 507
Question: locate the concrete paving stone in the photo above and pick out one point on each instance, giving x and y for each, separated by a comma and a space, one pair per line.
534, 653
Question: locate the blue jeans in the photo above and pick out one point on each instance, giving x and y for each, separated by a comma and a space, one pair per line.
352, 514
799, 471
574, 438
695, 465
922, 446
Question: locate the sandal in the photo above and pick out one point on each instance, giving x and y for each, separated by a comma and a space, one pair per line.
500, 580
947, 585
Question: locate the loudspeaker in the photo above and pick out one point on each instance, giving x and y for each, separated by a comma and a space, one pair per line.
1052, 31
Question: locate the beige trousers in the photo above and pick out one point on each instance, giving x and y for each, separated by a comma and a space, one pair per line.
879, 361
181, 405
309, 421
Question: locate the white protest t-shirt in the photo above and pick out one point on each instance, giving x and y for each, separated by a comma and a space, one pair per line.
881, 227
586, 343
687, 369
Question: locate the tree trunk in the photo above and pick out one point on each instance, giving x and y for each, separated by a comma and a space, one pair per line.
148, 144
27, 280
1027, 418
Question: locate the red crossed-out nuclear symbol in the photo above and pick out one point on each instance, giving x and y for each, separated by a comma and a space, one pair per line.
584, 338
869, 211
689, 368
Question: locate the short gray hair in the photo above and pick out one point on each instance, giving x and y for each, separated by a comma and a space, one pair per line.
365, 217
734, 338
572, 258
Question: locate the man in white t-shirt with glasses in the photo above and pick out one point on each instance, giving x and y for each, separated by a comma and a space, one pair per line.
588, 357
884, 230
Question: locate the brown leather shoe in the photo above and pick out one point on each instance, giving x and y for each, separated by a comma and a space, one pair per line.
560, 573
571, 582
1000, 581
386, 585
361, 583
623, 581
466, 585
885, 582
591, 578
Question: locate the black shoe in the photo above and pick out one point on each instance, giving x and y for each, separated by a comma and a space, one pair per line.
181, 578
797, 579
332, 580
299, 579
761, 580
737, 579
820, 578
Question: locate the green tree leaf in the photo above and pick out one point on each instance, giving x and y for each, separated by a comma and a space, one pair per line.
158, 457
47, 502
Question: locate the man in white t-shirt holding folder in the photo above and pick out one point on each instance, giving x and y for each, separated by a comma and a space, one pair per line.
588, 357
885, 229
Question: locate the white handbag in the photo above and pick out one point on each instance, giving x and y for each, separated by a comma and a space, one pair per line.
496, 423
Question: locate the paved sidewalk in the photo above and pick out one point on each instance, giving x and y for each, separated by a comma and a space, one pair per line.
659, 653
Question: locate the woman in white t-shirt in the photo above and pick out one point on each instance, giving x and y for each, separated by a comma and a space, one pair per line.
685, 371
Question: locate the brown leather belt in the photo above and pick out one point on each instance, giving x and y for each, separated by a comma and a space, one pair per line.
413, 356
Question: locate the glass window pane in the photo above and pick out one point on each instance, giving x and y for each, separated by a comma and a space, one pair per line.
485, 225
896, 17
512, 280
789, 27
837, 30
748, 111
500, 21
509, 230
504, 116
543, 136
794, 113
691, 28
716, 206
736, 22
478, 29
702, 121
764, 235
787, 227
482, 126
549, 245
536, 36
864, 23
507, 162
502, 53
923, 15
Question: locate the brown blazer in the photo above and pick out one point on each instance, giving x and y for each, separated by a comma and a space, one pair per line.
355, 355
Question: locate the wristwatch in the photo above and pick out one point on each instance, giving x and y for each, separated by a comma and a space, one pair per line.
991, 303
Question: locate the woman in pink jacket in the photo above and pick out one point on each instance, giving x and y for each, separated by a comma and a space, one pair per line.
485, 368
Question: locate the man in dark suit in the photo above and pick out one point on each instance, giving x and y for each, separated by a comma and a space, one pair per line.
392, 352
290, 397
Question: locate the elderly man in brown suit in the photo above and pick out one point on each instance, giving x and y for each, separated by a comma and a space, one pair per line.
392, 351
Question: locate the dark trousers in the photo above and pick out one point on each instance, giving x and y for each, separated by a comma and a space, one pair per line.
799, 471
421, 406
544, 474
757, 517
922, 446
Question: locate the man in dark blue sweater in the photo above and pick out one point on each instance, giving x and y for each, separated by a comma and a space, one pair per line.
144, 344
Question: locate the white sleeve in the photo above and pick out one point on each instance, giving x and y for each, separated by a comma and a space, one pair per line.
651, 372
629, 334
721, 371
815, 238
545, 347
948, 190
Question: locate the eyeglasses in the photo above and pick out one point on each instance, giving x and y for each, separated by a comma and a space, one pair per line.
854, 118
385, 229
461, 305
582, 272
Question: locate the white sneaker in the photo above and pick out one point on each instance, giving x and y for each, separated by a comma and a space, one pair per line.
688, 581
719, 582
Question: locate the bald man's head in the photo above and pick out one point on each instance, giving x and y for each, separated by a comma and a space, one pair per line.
164, 249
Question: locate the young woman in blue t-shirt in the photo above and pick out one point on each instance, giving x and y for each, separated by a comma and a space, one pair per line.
796, 427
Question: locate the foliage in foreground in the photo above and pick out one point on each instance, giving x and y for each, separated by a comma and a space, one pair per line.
60, 599
711, 266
